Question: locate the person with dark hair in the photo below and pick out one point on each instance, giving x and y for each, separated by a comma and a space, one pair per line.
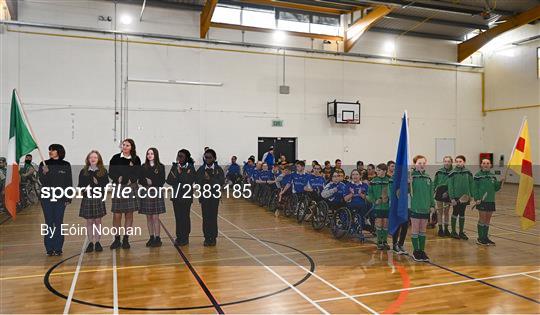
391, 167
249, 167
152, 177
378, 194
94, 174
327, 171
181, 178
233, 171
124, 170
268, 157
371, 172
442, 199
54, 173
460, 191
210, 174
485, 187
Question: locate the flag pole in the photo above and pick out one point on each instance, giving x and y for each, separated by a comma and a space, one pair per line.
409, 160
513, 150
20, 104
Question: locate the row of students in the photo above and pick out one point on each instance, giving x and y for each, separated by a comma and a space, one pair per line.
125, 169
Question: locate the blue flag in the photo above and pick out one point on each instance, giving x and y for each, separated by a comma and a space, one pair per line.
399, 201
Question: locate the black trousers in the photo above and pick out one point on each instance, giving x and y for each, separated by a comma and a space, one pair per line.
459, 210
210, 216
401, 234
182, 210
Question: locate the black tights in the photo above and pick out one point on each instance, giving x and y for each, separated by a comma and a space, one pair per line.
401, 234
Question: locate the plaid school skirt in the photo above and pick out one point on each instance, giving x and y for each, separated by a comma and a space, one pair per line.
129, 204
92, 208
152, 205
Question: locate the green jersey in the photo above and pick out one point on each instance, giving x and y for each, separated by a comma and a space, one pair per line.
379, 187
460, 182
441, 177
422, 192
485, 186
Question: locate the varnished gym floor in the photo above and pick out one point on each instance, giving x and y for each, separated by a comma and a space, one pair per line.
264, 264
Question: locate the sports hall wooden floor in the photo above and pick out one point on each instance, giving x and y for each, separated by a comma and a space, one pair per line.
258, 260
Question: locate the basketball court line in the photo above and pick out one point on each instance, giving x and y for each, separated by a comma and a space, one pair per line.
200, 281
272, 271
527, 275
75, 277
115, 283
432, 285
300, 266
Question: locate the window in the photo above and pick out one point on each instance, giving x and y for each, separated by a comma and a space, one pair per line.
230, 15
293, 26
258, 18
325, 29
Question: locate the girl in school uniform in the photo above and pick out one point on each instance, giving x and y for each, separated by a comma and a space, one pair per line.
93, 175
422, 203
124, 170
460, 188
54, 172
210, 174
152, 178
378, 192
485, 187
442, 199
181, 178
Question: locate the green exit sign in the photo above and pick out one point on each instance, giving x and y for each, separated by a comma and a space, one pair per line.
277, 123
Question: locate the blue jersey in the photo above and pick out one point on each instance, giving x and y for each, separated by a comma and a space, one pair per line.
299, 182
285, 180
255, 174
357, 188
269, 159
266, 175
248, 169
316, 183
337, 196
234, 169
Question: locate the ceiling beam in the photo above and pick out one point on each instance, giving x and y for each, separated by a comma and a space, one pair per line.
269, 30
361, 25
437, 21
296, 6
8, 10
452, 8
415, 34
206, 16
470, 46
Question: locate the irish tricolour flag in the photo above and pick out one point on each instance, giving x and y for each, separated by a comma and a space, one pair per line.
20, 143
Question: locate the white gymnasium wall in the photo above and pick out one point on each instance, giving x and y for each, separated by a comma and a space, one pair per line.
67, 85
512, 81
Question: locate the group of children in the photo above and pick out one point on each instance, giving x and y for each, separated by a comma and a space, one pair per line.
369, 191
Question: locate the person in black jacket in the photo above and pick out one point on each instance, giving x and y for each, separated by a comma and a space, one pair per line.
93, 175
153, 204
124, 169
181, 178
210, 174
54, 172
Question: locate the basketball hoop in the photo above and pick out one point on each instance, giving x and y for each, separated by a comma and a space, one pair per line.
348, 121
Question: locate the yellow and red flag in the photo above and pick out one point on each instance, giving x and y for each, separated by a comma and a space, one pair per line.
521, 163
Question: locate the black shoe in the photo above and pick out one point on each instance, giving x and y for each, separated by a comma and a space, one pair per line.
57, 253
89, 248
446, 232
212, 243
206, 243
116, 244
481, 242
454, 235
441, 232
386, 246
98, 247
402, 250
417, 255
380, 246
489, 242
396, 249
125, 242
463, 236
50, 253
150, 241
156, 242
179, 242
424, 256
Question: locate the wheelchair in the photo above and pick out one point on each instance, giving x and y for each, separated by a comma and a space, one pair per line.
307, 206
349, 221
323, 215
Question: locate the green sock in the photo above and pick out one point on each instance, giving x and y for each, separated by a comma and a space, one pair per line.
486, 230
453, 222
422, 241
446, 227
480, 228
414, 240
461, 224
379, 235
385, 235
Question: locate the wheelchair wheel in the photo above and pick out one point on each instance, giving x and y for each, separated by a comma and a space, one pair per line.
273, 204
320, 216
302, 209
289, 206
341, 222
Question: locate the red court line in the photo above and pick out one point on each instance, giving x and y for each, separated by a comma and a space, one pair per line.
406, 283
